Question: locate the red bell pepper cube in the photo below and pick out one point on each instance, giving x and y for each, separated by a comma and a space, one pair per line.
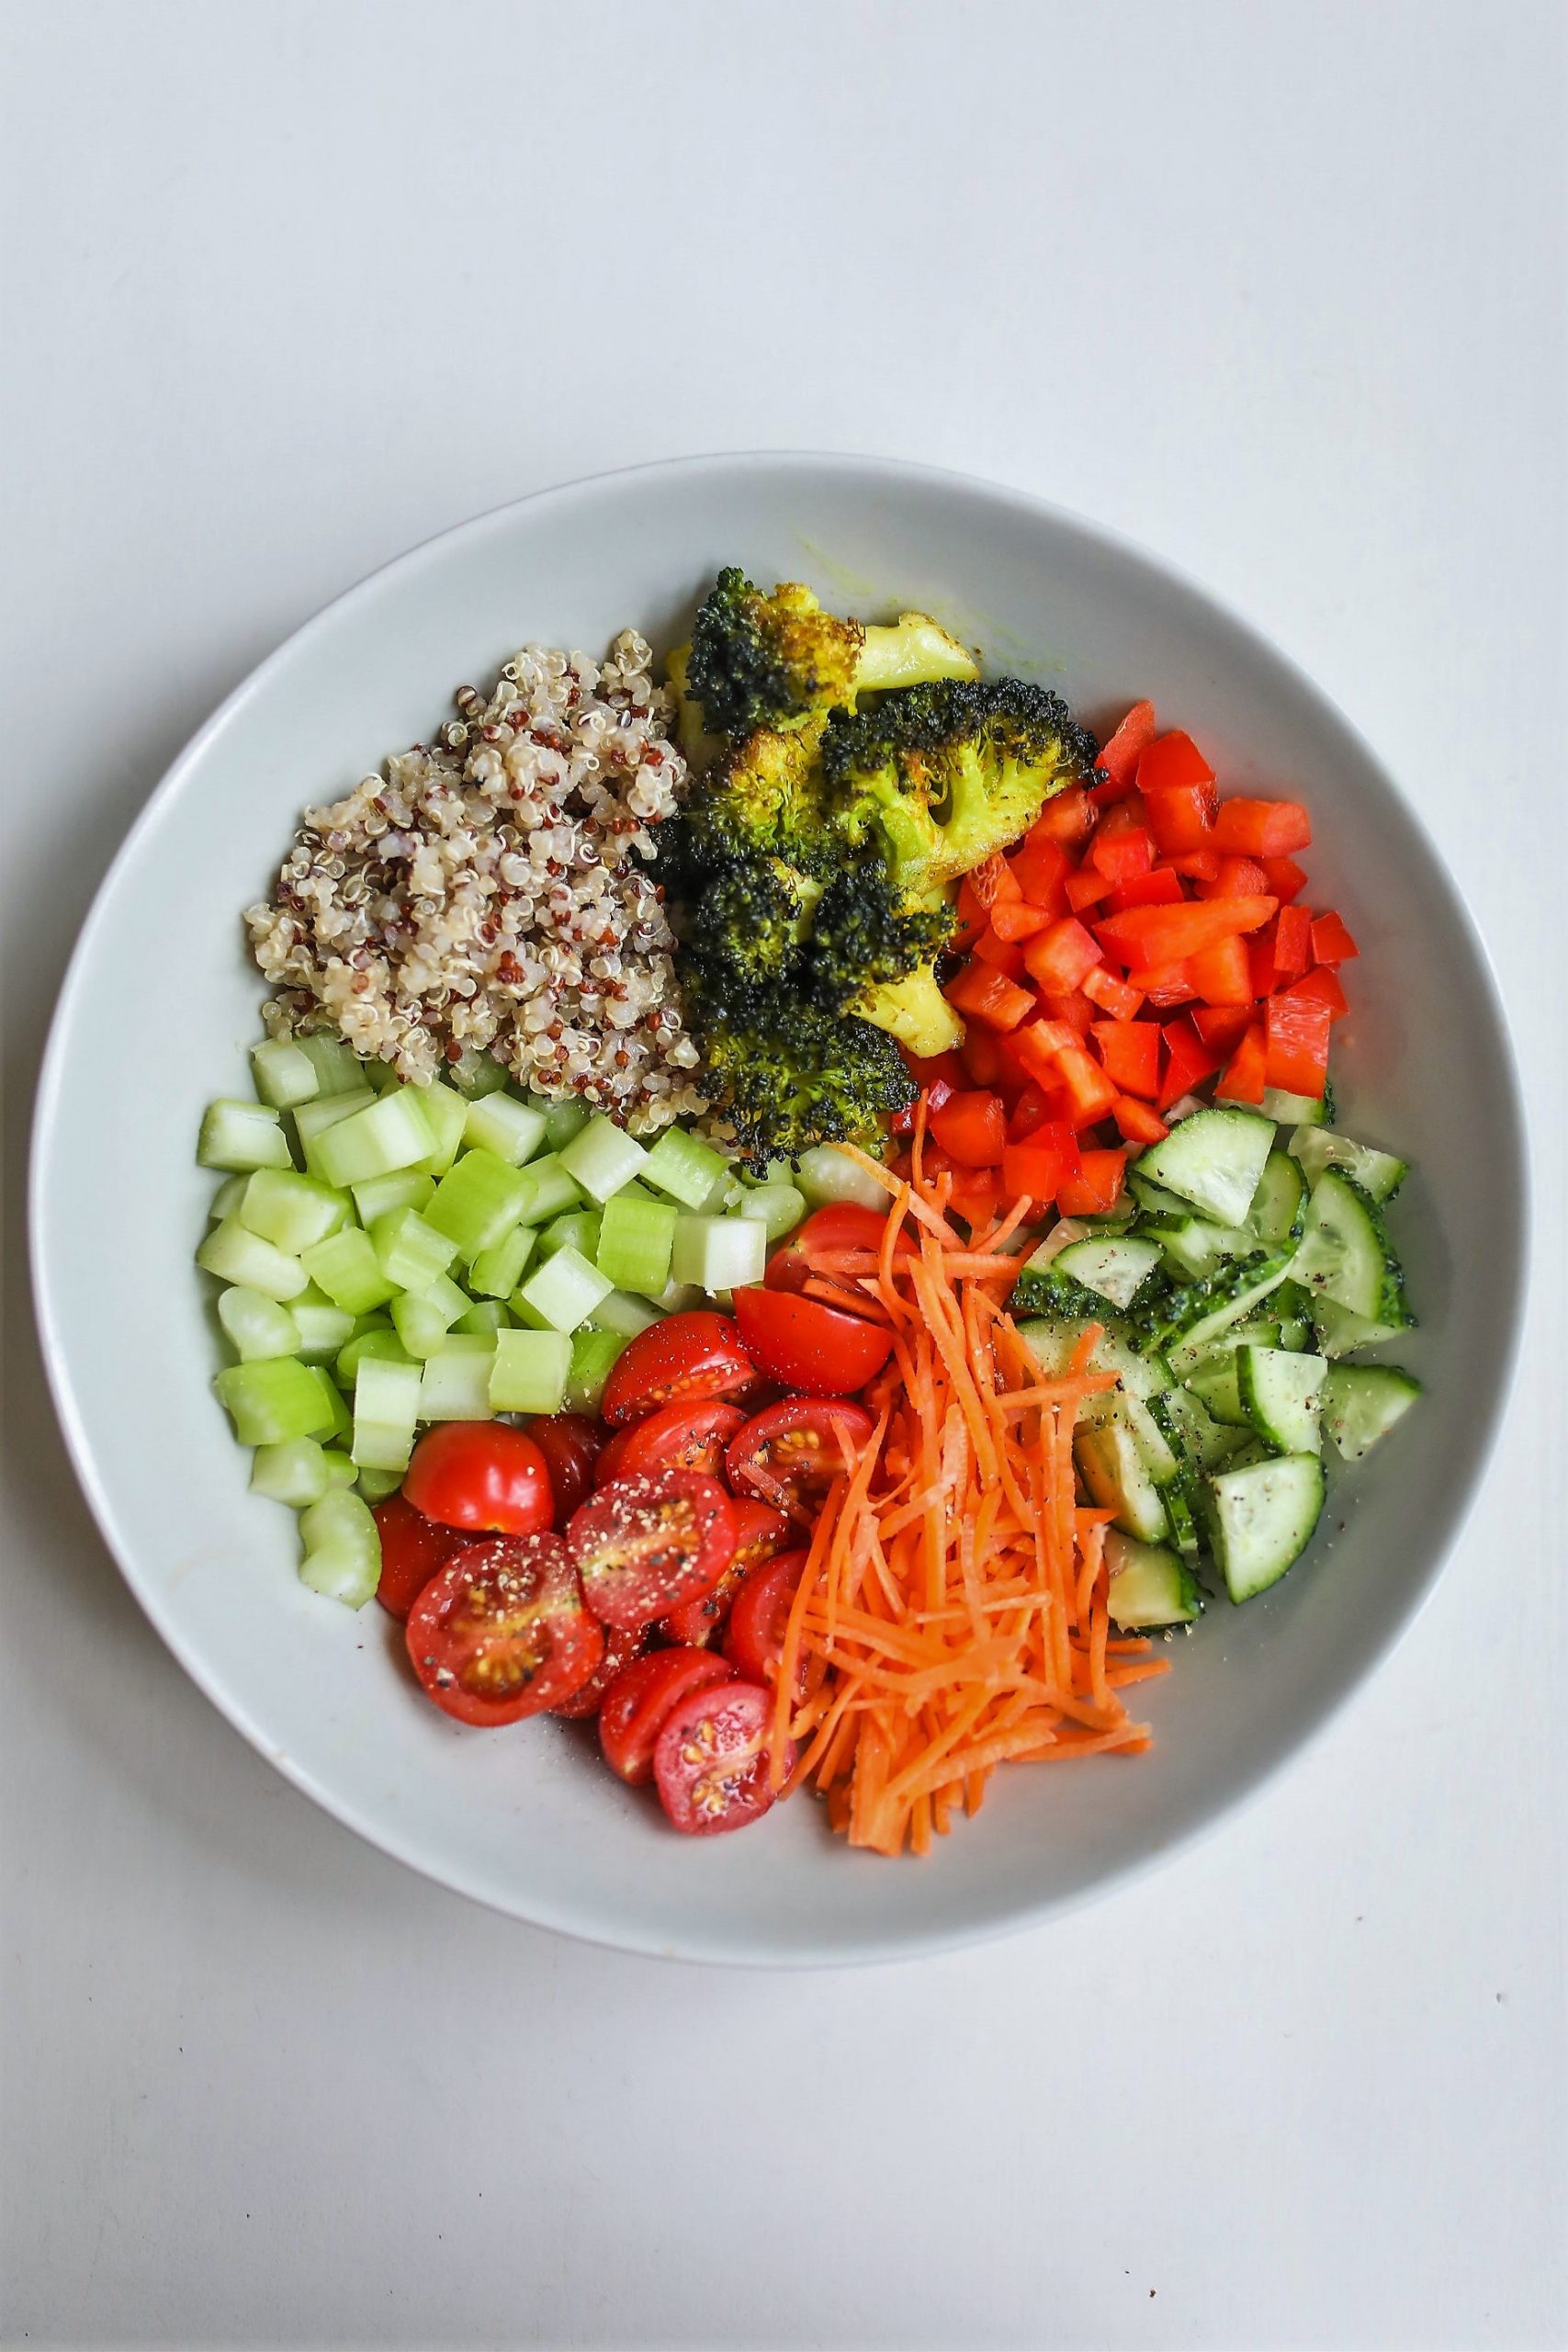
1041, 867
975, 1196
971, 1128
1165, 985
1246, 1074
1174, 760
1187, 1060
1035, 1107
1001, 955
986, 1061
1292, 942
1137, 1122
1085, 888
1284, 878
1032, 1050
1222, 1026
1121, 857
982, 993
1036, 1170
1180, 815
1067, 817
1014, 920
1159, 887
1221, 973
1058, 960
902, 1123
942, 1091
1261, 972
1262, 827
1129, 1052
1075, 1009
1119, 756
1147, 936
1238, 878
925, 1069
1197, 865
1296, 1043
1089, 1093
992, 879
1098, 1189
1111, 996
1331, 943
1324, 984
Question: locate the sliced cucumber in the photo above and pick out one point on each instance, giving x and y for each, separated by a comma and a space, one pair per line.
1194, 1249
1150, 1585
1115, 1266
1345, 1253
1379, 1173
1218, 1386
1292, 1110
1153, 1199
1261, 1517
1362, 1402
1052, 1339
1193, 1429
1214, 1159
1280, 1198
1193, 1319
1112, 1466
1282, 1396
1340, 1332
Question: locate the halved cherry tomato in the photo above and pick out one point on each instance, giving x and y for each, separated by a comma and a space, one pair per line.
484, 1475
754, 1642
802, 1344
570, 1444
684, 1359
758, 1534
843, 1225
622, 1645
643, 1545
501, 1631
711, 1758
414, 1549
790, 1454
640, 1699
677, 1437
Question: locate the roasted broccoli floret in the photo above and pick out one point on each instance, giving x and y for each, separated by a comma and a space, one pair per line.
866, 933
747, 927
945, 774
787, 1075
765, 797
770, 662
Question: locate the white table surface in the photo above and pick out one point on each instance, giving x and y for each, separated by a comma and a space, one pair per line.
1277, 289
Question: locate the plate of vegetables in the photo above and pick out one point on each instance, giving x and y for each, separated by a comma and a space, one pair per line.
882, 1158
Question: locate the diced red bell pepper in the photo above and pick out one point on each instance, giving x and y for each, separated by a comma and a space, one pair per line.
1284, 878
1159, 887
1067, 817
1037, 1169
1180, 815
1112, 996
1238, 878
1089, 1093
1119, 756
1032, 1050
1137, 1122
1221, 973
1174, 760
1001, 955
1129, 1050
1035, 1106
1121, 857
1292, 942
993, 879
1014, 920
941, 1090
1041, 867
1222, 1026
1261, 973
1098, 1189
926, 1068
971, 1128
1197, 865
982, 993
1085, 888
986, 1060
1075, 1009
1246, 1074
975, 1196
1324, 984
1296, 1043
1331, 943
1164, 985
1058, 960
902, 1123
1146, 936
1187, 1060
1262, 827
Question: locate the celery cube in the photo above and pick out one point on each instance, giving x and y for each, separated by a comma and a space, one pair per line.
483, 1319
719, 1252
386, 1408
290, 1210
563, 1120
621, 1313
378, 1339
236, 1254
603, 1158
276, 1399
529, 1372
225, 1201
593, 1354
777, 1209
410, 1251
422, 1319
293, 1471
257, 1326
343, 1548
635, 1236
455, 1384
345, 1266
495, 1274
405, 1188
283, 1074
684, 1167
377, 1485
550, 1191
312, 1120
445, 1111
566, 1289
338, 1068
499, 1123
479, 1201
243, 1136
392, 1131
324, 1328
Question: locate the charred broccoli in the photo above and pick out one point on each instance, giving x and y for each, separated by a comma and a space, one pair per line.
765, 798
772, 662
787, 1075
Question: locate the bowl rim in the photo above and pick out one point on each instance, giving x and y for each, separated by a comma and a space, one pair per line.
723, 1948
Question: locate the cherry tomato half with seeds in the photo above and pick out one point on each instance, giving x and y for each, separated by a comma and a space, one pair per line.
755, 1640
677, 1437
483, 1475
622, 1645
790, 1454
643, 1545
842, 1224
681, 1360
570, 1444
804, 1345
414, 1549
639, 1700
710, 1760
501, 1633
759, 1533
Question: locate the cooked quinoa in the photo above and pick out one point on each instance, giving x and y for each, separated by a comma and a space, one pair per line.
489, 892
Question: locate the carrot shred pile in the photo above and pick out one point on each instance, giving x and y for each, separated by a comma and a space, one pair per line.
952, 1615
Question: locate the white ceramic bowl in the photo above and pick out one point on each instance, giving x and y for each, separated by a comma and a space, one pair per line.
162, 1002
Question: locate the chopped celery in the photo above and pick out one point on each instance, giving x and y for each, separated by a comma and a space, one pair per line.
377, 1485
276, 1399
578, 1229
550, 1191
499, 1123
237, 1255
603, 1158
624, 1315
826, 1174
684, 1167
291, 1210
342, 1419
455, 1384
392, 1131
256, 1326
719, 1252
385, 1407
475, 1074
593, 1356
563, 1120
242, 1136
478, 1203
294, 1471
324, 1328
225, 1201
379, 1076
409, 1248
422, 1319
380, 1340
635, 1236
284, 1073
526, 1317
529, 1372
680, 1298
405, 1188
347, 1267
725, 1195
343, 1548
312, 1120
566, 1289
445, 1112
778, 1208
337, 1066
339, 1470
496, 1273
483, 1318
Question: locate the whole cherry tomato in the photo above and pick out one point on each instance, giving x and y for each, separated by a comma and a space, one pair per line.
484, 1475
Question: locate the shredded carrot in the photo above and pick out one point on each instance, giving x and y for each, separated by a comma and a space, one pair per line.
951, 1612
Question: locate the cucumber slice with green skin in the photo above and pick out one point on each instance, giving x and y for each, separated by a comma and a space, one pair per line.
1218, 1386
1153, 1200
1194, 1431
1194, 1249
1282, 1394
1150, 1585
1179, 1510
1280, 1201
1191, 1320
1379, 1173
1362, 1402
1292, 1110
1339, 1332
1345, 1252
1052, 1339
1214, 1160
1112, 1465
1116, 1267
1261, 1517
